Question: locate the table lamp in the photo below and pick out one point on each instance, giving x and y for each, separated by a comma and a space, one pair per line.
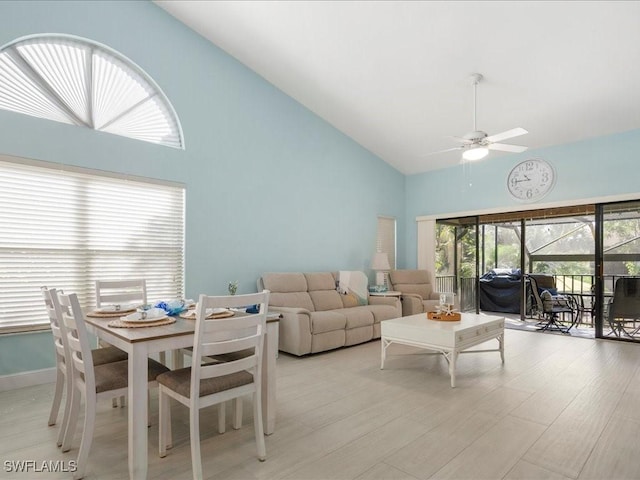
380, 264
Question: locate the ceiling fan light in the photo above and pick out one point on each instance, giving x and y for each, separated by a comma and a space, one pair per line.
477, 153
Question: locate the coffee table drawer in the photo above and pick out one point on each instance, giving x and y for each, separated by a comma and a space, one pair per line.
478, 333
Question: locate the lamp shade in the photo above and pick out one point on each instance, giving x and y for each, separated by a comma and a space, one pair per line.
475, 153
380, 262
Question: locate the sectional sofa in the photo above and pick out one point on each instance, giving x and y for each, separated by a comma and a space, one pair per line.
316, 317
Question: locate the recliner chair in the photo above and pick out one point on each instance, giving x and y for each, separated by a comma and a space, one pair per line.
417, 291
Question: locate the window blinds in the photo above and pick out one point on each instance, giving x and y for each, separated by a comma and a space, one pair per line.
67, 228
386, 239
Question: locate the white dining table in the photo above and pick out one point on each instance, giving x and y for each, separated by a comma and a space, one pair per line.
139, 343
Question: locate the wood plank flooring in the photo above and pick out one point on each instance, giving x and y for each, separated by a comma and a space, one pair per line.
559, 408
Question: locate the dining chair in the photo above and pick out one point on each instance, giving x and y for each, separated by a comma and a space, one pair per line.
89, 382
206, 384
113, 292
63, 377
118, 292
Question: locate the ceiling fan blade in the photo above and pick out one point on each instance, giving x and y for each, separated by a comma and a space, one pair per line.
443, 151
503, 147
514, 132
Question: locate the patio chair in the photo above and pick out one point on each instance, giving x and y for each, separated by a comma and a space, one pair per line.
624, 307
549, 305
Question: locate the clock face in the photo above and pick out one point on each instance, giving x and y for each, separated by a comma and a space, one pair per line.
531, 180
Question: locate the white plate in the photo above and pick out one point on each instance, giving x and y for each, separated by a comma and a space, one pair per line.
152, 314
210, 311
124, 307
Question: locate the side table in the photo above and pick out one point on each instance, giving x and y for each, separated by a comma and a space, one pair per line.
389, 293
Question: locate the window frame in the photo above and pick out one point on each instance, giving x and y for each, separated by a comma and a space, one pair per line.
31, 261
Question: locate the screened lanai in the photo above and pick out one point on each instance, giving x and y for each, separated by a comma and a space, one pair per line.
487, 261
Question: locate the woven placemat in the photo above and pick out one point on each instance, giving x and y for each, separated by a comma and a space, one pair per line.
119, 323
119, 313
191, 315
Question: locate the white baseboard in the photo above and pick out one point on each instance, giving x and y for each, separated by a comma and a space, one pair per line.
27, 379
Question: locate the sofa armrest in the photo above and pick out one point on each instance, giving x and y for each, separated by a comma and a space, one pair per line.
411, 304
294, 330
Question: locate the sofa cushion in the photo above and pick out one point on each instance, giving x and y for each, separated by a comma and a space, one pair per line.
325, 300
285, 282
320, 281
383, 312
327, 321
357, 316
292, 299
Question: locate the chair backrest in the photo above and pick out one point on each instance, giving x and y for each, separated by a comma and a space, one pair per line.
626, 298
73, 327
54, 312
412, 281
544, 282
111, 292
220, 336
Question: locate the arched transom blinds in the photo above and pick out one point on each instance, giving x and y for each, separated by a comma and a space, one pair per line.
80, 82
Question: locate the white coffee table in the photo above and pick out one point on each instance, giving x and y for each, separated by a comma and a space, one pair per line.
448, 338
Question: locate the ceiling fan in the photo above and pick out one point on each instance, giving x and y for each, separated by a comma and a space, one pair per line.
476, 144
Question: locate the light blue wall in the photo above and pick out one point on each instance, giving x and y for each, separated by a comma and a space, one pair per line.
270, 186
600, 167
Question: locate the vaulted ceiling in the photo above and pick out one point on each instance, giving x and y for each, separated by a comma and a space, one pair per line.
394, 75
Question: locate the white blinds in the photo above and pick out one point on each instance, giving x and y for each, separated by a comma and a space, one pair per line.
386, 239
77, 81
65, 229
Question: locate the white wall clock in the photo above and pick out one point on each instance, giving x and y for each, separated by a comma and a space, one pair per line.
531, 180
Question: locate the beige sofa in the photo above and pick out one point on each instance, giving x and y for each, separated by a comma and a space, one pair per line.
417, 290
316, 318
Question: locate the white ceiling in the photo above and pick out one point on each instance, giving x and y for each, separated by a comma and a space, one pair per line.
394, 75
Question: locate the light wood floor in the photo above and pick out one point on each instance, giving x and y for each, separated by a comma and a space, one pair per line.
560, 407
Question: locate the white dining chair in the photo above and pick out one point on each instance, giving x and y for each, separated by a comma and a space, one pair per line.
121, 292
117, 292
63, 378
207, 384
90, 382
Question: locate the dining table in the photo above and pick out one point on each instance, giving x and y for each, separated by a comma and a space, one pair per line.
140, 343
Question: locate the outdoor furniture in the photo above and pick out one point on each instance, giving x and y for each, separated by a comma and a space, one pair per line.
624, 308
550, 306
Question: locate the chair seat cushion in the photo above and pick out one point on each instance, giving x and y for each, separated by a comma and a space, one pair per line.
108, 355
112, 376
180, 382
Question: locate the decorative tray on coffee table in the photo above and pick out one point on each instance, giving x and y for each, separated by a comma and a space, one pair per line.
444, 317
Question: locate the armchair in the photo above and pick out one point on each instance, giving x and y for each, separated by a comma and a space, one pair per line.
417, 290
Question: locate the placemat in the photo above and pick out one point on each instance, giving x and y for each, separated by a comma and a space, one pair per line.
119, 313
191, 315
119, 323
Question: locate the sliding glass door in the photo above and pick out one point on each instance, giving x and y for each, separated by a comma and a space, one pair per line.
620, 284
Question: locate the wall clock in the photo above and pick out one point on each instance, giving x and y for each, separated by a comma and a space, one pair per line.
531, 180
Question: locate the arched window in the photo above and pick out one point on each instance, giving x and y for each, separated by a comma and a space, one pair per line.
77, 81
